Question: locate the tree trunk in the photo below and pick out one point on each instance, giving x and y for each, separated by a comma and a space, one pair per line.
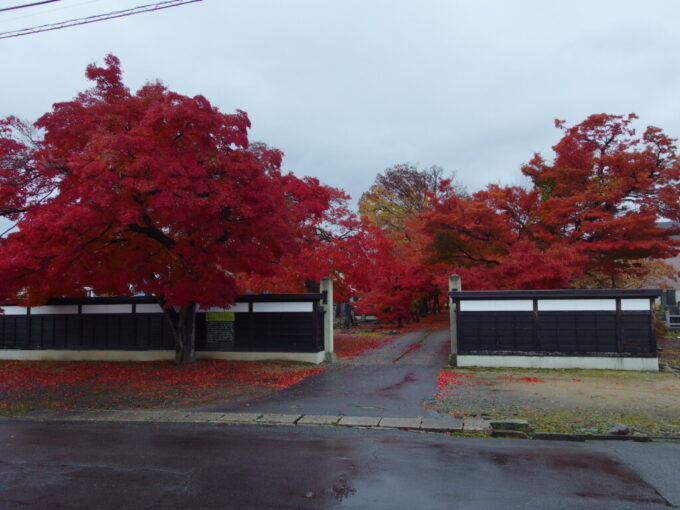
183, 322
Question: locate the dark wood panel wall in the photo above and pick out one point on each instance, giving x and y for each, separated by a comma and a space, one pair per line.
617, 332
246, 331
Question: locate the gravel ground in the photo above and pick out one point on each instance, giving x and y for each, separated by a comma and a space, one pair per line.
577, 401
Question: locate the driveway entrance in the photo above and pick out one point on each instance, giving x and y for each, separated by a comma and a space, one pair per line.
393, 380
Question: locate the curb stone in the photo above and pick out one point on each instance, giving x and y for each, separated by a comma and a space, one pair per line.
359, 421
279, 419
400, 423
386, 423
477, 425
318, 419
509, 434
434, 425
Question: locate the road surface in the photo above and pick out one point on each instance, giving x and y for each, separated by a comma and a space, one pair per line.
185, 466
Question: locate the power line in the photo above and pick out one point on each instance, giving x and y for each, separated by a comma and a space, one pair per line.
94, 19
28, 5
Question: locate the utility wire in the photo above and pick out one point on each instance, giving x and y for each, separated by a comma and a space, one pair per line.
28, 5
94, 19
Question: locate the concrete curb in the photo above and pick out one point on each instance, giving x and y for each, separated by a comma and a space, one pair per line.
426, 425
454, 426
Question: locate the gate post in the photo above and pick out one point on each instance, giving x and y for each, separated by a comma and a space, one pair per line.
454, 285
326, 287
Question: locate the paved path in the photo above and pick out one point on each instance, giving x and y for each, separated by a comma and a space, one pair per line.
185, 466
393, 380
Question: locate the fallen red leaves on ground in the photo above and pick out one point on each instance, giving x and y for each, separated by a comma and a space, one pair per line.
137, 384
524, 379
447, 382
351, 345
434, 321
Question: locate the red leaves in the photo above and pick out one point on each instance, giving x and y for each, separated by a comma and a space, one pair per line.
351, 346
589, 219
448, 381
155, 192
158, 381
531, 379
524, 379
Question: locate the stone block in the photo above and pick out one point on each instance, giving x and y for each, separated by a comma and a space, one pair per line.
400, 423
434, 425
318, 419
475, 425
240, 417
204, 417
521, 425
555, 436
359, 421
279, 419
510, 434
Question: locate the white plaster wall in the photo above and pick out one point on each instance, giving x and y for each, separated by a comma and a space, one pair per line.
149, 308
632, 305
121, 308
587, 362
576, 305
15, 310
101, 355
283, 307
497, 305
54, 309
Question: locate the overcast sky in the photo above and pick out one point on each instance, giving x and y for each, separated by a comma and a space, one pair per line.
348, 88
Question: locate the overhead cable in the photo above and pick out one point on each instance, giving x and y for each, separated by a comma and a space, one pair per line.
28, 5
94, 19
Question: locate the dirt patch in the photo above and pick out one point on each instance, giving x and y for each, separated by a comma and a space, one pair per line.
564, 400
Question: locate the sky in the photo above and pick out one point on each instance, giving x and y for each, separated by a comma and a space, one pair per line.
349, 88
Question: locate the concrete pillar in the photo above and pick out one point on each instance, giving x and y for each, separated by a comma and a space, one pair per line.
327, 287
454, 285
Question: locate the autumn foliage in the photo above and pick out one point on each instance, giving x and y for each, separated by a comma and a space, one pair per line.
589, 219
152, 192
159, 193
591, 212
85, 384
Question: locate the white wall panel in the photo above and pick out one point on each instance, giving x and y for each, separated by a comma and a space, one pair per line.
497, 305
54, 309
576, 305
149, 308
283, 307
120, 308
635, 305
15, 310
560, 362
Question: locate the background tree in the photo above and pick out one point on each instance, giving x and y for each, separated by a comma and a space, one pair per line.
590, 217
333, 244
401, 193
153, 192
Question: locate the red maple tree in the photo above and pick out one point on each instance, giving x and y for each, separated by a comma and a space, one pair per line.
151, 192
592, 212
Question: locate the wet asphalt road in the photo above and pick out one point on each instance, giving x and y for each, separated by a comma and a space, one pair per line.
132, 466
394, 380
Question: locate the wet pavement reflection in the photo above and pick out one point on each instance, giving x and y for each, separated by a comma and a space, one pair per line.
186, 466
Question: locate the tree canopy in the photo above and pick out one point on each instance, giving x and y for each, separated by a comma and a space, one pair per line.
152, 192
159, 193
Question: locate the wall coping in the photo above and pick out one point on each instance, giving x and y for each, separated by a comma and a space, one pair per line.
556, 294
124, 300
